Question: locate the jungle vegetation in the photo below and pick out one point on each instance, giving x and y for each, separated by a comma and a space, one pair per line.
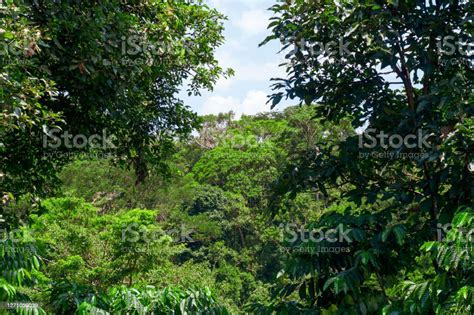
156, 210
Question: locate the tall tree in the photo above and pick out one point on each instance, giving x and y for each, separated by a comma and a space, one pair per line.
103, 69
75, 73
397, 69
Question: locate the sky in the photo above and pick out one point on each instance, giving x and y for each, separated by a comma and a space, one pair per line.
246, 92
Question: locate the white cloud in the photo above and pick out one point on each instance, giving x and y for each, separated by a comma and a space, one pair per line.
217, 4
218, 104
229, 5
259, 72
253, 22
253, 103
247, 70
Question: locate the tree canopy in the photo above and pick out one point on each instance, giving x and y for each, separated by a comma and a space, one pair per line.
102, 68
398, 69
118, 199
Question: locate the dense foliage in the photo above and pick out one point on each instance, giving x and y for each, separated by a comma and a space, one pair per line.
104, 69
396, 197
358, 201
207, 226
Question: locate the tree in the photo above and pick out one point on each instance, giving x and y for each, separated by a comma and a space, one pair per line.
401, 198
101, 69
23, 167
97, 77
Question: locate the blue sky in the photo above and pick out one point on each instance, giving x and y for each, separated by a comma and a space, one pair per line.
246, 92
